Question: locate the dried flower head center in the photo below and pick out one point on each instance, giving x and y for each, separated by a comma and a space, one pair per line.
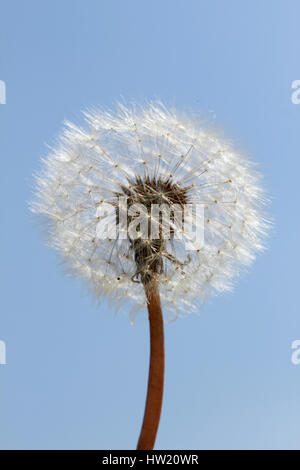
149, 252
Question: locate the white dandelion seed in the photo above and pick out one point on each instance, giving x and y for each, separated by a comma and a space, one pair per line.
150, 156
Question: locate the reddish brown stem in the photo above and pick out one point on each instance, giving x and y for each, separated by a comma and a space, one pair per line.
156, 370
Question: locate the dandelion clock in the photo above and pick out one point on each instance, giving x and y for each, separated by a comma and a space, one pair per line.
156, 213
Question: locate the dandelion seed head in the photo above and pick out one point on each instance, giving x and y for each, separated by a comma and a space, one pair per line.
150, 155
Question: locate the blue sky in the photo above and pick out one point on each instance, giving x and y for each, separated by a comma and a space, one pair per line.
76, 374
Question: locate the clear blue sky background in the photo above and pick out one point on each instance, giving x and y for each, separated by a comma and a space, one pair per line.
76, 374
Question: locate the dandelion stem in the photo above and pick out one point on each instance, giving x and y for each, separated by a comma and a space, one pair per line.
156, 369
